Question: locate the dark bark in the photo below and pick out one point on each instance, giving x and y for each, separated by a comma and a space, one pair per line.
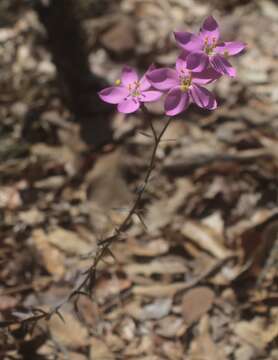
67, 43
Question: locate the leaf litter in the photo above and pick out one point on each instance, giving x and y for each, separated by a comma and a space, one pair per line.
200, 280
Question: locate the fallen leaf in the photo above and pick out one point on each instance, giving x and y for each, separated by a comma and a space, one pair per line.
158, 290
111, 287
173, 350
68, 241
203, 346
245, 352
158, 309
139, 346
167, 265
8, 302
51, 182
99, 350
32, 216
216, 223
114, 342
171, 326
126, 328
149, 247
76, 356
256, 332
205, 237
70, 332
10, 196
195, 303
52, 259
120, 37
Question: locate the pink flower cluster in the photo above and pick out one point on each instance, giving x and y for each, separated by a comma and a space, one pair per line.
202, 61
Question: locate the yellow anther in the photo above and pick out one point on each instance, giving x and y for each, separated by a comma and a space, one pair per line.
183, 88
136, 93
185, 83
118, 82
209, 50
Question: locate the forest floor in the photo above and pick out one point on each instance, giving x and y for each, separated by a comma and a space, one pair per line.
198, 278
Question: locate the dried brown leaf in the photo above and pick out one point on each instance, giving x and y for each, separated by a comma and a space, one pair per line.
52, 259
205, 237
195, 303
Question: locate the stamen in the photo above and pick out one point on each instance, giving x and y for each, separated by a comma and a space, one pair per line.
209, 46
117, 82
185, 83
209, 50
136, 93
183, 88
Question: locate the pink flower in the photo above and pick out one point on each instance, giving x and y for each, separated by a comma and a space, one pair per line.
129, 91
206, 48
183, 87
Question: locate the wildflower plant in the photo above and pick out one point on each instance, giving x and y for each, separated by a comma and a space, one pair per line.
203, 60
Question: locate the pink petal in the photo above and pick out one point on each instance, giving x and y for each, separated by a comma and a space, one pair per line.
129, 106
114, 94
205, 77
163, 79
176, 101
144, 83
188, 41
181, 64
129, 76
197, 61
210, 29
231, 47
202, 97
222, 65
150, 95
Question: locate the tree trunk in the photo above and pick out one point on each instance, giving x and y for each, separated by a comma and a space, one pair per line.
67, 44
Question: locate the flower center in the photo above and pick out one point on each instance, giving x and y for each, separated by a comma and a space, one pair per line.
135, 93
134, 89
185, 83
209, 46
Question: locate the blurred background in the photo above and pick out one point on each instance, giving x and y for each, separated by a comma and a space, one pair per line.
196, 278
